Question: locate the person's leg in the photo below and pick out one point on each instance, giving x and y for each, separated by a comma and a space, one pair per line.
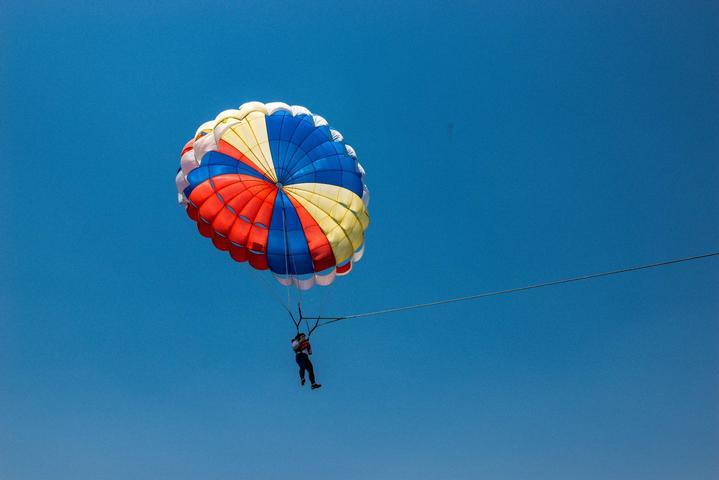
300, 361
311, 370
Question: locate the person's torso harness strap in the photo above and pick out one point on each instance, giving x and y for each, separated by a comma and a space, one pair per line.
300, 347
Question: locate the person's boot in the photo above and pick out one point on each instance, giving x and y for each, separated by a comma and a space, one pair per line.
316, 385
302, 381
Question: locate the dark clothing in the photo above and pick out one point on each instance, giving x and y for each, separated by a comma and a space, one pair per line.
303, 360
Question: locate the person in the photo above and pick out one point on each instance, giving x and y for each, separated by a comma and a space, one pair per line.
303, 350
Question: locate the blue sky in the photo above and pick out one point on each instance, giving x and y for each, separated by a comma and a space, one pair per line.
585, 137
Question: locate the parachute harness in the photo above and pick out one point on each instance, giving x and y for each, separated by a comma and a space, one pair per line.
301, 317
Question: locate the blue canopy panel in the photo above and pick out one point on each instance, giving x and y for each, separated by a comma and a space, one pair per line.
336, 169
303, 153
215, 163
285, 133
287, 250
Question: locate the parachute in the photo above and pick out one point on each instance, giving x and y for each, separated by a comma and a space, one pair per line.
275, 187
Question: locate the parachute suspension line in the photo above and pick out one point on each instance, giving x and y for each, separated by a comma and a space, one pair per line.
296, 322
325, 299
330, 320
302, 317
263, 283
314, 327
307, 324
323, 304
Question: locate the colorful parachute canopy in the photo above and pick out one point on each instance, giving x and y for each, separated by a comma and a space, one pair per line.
273, 185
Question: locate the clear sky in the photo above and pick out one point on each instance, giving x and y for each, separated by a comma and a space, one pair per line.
505, 143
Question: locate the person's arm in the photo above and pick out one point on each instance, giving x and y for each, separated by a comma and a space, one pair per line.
309, 348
